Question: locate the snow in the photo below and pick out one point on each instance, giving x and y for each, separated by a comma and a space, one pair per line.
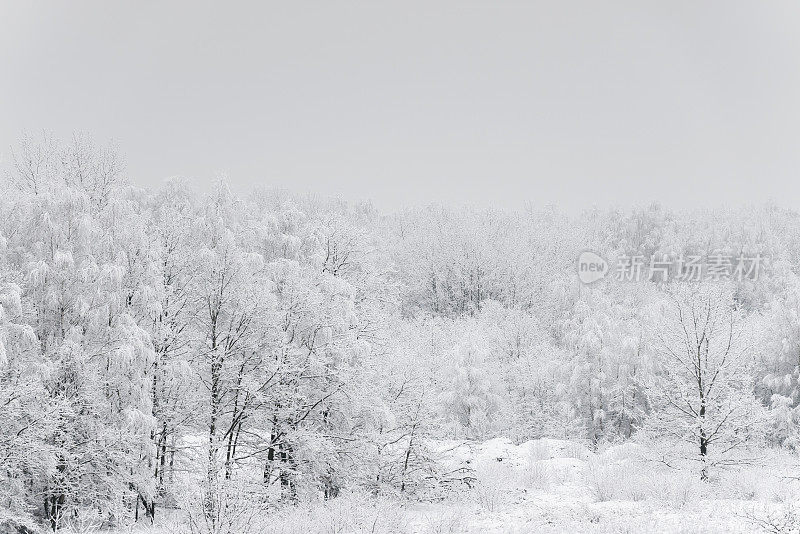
548, 486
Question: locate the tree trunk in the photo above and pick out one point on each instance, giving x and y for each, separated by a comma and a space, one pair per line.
703, 441
216, 372
286, 475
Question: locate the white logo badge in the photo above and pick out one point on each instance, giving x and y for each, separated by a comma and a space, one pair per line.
591, 267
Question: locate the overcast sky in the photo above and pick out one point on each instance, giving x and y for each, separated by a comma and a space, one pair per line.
405, 103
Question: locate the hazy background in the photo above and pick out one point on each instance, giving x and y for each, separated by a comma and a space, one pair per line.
569, 103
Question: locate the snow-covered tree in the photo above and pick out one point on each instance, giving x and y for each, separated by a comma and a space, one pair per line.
701, 392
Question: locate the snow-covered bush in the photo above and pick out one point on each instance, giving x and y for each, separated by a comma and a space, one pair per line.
775, 477
637, 480
783, 520
537, 474
351, 512
493, 486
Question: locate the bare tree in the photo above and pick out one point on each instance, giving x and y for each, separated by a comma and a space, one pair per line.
33, 163
94, 169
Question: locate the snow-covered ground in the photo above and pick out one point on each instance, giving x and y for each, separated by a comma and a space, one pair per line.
553, 486
560, 486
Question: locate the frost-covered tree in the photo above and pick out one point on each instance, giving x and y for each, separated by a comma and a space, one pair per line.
701, 392
604, 338
779, 363
471, 397
24, 414
164, 348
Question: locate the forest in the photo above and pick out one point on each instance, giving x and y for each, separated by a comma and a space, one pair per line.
256, 361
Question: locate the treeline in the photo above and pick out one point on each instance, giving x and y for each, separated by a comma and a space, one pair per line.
162, 349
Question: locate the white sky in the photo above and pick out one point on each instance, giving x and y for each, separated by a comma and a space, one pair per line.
569, 103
